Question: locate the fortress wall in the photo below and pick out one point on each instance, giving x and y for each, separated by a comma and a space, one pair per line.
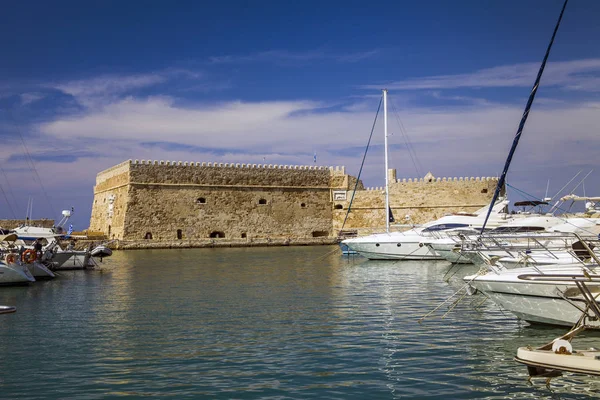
199, 199
120, 170
224, 174
15, 223
110, 200
420, 199
109, 210
235, 213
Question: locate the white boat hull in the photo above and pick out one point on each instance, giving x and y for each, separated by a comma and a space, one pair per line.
68, 259
16, 275
393, 250
538, 302
584, 361
39, 271
446, 250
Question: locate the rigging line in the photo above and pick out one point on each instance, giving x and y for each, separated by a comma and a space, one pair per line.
564, 219
523, 119
581, 181
409, 146
12, 211
361, 166
30, 159
9, 187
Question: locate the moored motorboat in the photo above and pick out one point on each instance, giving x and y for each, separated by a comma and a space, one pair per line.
14, 275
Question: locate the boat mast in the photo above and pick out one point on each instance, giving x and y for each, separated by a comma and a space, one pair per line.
387, 183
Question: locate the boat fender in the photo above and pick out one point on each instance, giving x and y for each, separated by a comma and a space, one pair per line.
471, 290
11, 258
28, 256
562, 346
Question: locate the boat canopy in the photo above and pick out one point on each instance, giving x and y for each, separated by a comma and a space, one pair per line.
8, 238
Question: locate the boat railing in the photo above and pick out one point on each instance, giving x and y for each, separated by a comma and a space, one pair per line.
529, 247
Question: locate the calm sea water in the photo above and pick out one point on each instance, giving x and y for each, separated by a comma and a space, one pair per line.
293, 322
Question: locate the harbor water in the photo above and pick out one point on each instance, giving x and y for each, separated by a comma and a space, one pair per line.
248, 323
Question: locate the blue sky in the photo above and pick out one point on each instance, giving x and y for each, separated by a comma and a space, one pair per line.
87, 85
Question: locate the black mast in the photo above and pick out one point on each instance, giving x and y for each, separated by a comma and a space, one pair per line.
523, 119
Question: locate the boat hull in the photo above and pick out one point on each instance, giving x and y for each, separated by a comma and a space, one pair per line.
583, 362
15, 275
403, 250
537, 302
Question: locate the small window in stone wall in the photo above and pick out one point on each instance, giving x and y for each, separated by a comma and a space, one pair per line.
484, 190
201, 200
338, 207
262, 201
320, 234
217, 234
148, 235
303, 205
244, 235
179, 234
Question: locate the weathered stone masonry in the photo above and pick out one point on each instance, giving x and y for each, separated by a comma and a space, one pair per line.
169, 201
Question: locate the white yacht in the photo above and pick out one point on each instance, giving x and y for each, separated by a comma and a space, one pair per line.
411, 245
537, 238
12, 275
548, 302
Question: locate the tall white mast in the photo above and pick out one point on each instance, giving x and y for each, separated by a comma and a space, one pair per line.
387, 190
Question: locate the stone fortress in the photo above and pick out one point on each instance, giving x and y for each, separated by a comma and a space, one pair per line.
164, 201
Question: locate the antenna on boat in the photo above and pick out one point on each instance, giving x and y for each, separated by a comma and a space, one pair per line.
387, 183
513, 148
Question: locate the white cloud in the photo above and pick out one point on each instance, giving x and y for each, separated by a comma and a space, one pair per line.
582, 75
105, 89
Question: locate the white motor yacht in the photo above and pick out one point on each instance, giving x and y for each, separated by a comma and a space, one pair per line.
411, 245
547, 302
534, 239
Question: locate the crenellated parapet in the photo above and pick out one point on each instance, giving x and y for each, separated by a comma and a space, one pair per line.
448, 179
333, 169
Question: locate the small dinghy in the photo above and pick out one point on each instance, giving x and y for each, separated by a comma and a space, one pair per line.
7, 309
561, 357
101, 251
558, 356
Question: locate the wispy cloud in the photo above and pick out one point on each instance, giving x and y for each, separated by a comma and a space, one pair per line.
107, 88
289, 58
28, 98
581, 75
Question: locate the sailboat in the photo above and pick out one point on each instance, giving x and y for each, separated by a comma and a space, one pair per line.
410, 245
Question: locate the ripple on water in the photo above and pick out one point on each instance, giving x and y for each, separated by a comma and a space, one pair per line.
271, 323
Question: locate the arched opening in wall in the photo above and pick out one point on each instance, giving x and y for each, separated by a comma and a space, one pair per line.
303, 205
320, 234
148, 235
179, 234
262, 201
338, 207
484, 190
244, 236
201, 200
217, 234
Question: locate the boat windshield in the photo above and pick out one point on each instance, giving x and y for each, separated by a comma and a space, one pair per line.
517, 229
443, 227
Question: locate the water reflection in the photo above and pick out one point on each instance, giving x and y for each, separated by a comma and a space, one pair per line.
258, 322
